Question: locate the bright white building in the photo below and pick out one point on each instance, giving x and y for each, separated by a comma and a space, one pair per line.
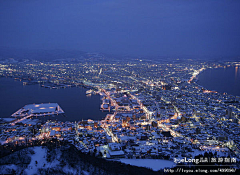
39, 110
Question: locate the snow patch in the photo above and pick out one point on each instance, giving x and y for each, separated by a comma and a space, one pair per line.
40, 157
85, 172
38, 160
154, 164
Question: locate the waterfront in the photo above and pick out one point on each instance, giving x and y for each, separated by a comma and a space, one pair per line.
73, 101
78, 106
221, 80
161, 120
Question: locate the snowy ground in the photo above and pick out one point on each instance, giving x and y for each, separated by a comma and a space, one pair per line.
39, 156
154, 164
7, 169
39, 162
197, 152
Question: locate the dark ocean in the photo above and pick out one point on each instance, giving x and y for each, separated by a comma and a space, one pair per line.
74, 102
221, 79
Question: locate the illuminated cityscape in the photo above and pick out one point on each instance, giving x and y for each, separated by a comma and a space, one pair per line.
154, 110
119, 87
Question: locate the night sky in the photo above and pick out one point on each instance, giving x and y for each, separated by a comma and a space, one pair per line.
133, 27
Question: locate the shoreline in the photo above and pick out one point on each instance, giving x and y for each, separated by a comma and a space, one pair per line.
196, 81
60, 100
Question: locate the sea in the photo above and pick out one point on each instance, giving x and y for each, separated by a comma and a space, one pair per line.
222, 80
76, 105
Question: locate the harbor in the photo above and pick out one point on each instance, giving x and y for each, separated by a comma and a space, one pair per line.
15, 96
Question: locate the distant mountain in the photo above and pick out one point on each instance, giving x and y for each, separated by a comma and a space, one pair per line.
38, 54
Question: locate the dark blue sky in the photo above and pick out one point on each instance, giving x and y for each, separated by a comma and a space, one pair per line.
133, 27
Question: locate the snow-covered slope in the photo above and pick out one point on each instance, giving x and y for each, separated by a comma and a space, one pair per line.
38, 160
154, 164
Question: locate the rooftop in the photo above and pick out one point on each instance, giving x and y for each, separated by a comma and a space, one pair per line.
39, 109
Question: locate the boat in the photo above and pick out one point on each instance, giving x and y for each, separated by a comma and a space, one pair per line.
89, 92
